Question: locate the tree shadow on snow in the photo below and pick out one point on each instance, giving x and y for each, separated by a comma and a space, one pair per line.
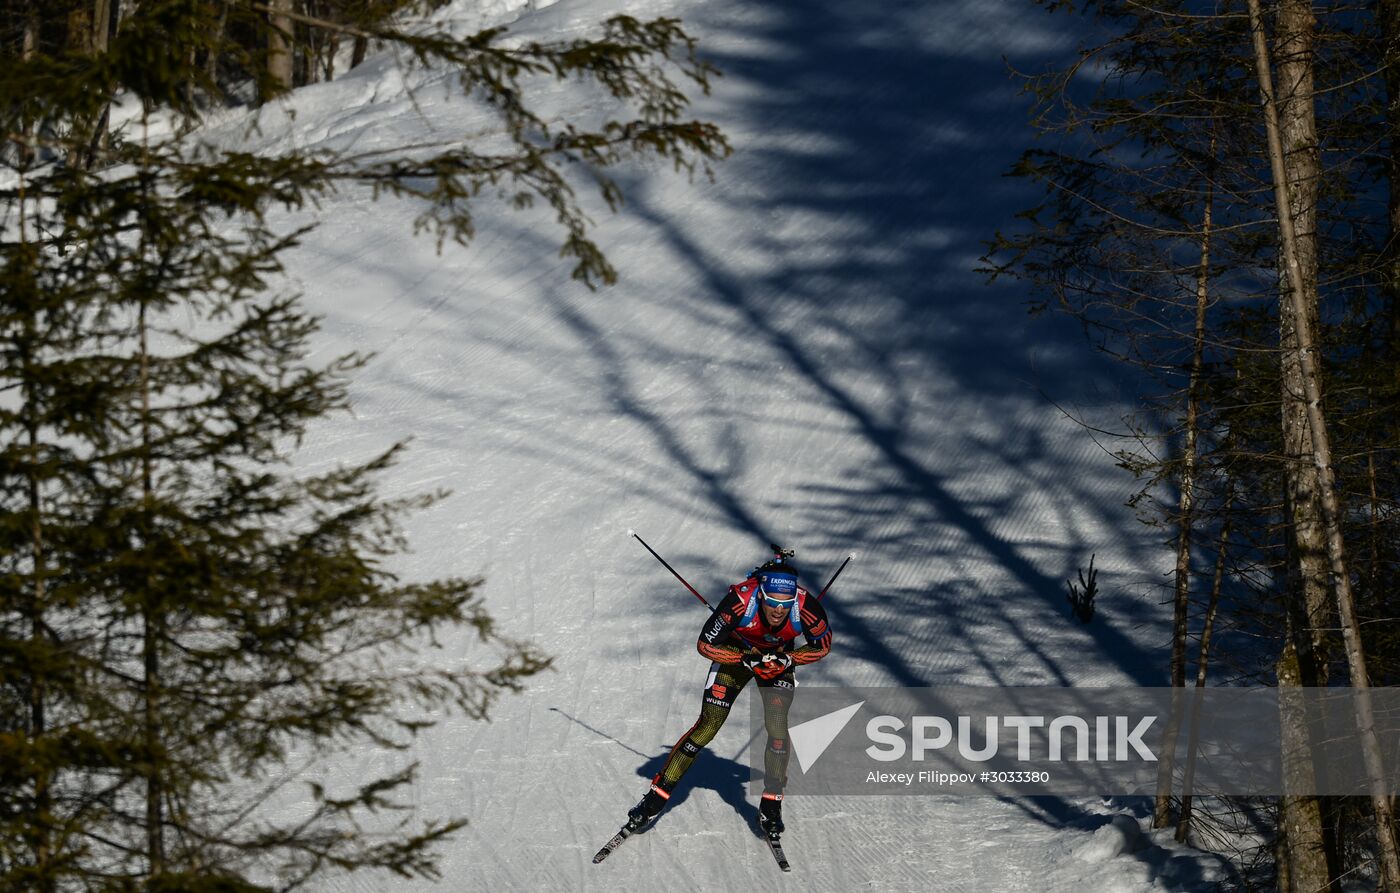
830, 271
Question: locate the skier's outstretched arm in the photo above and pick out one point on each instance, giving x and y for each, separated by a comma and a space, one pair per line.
717, 629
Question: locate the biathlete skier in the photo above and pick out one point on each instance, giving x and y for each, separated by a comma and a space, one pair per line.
754, 633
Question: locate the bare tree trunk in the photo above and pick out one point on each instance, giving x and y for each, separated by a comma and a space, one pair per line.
1183, 823
152, 632
41, 843
304, 63
361, 48
30, 40
318, 60
101, 25
78, 41
332, 47
89, 25
1307, 596
38, 696
211, 63
28, 45
1388, 16
155, 818
101, 38
1307, 851
279, 48
1374, 517
1161, 814
1302, 168
1306, 353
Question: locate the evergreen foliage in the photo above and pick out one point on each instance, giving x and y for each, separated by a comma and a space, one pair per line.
186, 614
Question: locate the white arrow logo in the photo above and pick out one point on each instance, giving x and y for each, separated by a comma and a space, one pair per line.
811, 738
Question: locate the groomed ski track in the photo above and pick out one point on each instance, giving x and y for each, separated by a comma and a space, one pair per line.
798, 351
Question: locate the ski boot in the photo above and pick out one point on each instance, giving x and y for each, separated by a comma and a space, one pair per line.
770, 814
648, 807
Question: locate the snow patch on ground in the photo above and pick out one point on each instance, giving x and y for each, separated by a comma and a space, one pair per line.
1120, 836
1120, 856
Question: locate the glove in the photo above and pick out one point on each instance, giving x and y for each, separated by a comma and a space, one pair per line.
768, 664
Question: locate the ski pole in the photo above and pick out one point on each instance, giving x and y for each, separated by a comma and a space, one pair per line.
835, 575
633, 534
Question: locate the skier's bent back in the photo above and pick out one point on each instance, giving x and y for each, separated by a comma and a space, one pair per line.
751, 634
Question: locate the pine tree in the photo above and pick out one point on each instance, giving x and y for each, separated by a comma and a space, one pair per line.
184, 611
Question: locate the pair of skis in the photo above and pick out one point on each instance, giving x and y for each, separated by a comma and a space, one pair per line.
774, 842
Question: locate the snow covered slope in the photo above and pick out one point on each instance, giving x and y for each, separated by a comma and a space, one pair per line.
799, 351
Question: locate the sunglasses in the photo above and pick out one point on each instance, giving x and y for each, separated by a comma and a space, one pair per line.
777, 601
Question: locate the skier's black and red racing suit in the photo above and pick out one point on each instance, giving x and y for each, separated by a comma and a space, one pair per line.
735, 628
738, 624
